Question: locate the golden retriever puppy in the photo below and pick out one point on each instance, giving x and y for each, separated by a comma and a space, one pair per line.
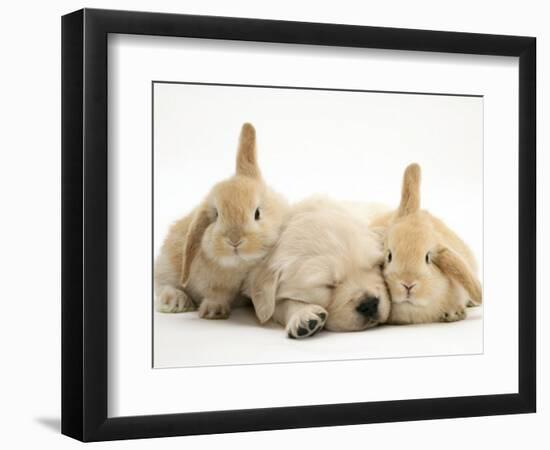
324, 272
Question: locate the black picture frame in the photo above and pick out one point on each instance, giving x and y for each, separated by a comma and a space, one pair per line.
84, 224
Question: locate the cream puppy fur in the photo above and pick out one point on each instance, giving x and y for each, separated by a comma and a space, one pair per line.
324, 272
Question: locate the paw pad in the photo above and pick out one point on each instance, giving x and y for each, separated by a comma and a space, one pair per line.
453, 316
307, 322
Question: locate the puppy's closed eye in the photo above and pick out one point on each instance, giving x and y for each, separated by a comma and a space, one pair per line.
333, 285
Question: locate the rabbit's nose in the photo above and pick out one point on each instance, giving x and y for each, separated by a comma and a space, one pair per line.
369, 307
408, 287
233, 235
235, 243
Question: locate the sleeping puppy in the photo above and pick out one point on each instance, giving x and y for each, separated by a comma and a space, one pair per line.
324, 272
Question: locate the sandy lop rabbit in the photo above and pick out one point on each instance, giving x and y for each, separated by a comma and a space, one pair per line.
207, 254
430, 271
324, 272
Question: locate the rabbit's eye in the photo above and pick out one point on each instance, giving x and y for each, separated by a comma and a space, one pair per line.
257, 214
389, 256
215, 213
428, 258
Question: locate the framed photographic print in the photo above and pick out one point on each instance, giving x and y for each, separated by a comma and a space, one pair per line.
272, 224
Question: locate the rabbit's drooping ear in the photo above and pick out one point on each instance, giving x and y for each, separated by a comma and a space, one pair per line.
247, 162
198, 226
410, 191
264, 290
452, 265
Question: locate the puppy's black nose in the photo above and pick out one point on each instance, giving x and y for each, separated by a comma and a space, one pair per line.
369, 307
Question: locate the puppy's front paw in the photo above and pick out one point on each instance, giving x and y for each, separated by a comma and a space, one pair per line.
172, 300
453, 315
211, 309
306, 322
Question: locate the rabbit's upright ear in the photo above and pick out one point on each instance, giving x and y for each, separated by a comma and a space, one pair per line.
410, 191
192, 245
452, 265
264, 290
247, 162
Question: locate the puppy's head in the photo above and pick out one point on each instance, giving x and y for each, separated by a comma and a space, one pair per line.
359, 301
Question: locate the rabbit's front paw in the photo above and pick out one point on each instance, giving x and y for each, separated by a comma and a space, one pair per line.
172, 300
211, 309
306, 322
454, 315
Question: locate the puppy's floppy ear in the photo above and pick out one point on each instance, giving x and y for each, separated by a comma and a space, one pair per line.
410, 191
264, 289
247, 162
452, 265
192, 245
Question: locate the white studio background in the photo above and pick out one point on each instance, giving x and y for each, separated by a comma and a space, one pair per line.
352, 146
30, 180
136, 60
